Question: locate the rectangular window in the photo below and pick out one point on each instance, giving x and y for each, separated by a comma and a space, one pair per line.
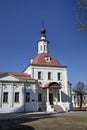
59, 76
5, 97
16, 96
27, 98
49, 75
39, 75
39, 97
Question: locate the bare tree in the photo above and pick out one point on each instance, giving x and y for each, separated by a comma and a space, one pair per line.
82, 14
79, 89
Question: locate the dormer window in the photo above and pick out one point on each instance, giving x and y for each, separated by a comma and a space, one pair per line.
47, 59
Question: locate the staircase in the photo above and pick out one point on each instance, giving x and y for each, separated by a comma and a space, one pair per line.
58, 108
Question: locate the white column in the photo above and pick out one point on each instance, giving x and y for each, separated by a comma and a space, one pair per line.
32, 73
1, 91
23, 96
56, 96
47, 96
60, 95
12, 96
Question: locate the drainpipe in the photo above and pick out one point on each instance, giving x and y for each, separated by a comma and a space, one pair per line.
24, 94
1, 92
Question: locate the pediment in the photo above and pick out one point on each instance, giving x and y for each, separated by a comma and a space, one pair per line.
8, 77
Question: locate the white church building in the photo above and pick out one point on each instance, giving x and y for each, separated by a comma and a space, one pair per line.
42, 86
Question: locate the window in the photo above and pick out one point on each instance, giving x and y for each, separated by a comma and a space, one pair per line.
39, 97
27, 98
47, 59
49, 75
39, 75
5, 97
44, 47
16, 96
59, 76
40, 47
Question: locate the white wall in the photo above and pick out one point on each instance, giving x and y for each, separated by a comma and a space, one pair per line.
32, 105
54, 71
44, 80
20, 106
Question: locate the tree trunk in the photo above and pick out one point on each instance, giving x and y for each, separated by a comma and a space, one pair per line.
80, 101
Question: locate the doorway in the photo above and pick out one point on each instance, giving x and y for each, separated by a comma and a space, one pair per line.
51, 98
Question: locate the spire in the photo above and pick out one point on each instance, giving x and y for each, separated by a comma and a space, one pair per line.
43, 31
43, 42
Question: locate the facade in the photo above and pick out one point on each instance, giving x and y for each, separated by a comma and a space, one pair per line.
18, 93
43, 85
52, 77
76, 101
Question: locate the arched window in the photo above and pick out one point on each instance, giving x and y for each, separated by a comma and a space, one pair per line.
40, 47
44, 47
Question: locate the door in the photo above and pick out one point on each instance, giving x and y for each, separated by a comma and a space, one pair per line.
51, 98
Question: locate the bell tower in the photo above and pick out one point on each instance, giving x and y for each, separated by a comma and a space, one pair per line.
43, 43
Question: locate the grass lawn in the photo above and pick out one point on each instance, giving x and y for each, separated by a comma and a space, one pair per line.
59, 121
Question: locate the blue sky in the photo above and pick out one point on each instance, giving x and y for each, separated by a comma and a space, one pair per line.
20, 25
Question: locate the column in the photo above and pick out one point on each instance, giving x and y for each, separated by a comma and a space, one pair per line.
1, 91
56, 96
12, 95
23, 96
32, 73
47, 96
60, 95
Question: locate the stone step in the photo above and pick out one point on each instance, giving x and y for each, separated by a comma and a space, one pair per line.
58, 108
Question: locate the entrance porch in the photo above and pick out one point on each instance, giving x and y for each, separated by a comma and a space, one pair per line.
53, 95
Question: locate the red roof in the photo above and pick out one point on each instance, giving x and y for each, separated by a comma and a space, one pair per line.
22, 76
53, 85
40, 59
2, 73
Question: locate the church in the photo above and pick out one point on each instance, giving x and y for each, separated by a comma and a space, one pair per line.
42, 86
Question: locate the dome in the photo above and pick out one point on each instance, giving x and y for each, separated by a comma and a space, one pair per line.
45, 59
43, 31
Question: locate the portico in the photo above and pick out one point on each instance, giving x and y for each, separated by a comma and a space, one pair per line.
52, 91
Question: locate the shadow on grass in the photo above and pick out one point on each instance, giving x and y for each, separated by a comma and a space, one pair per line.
17, 124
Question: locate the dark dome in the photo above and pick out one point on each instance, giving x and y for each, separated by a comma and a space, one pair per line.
43, 31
